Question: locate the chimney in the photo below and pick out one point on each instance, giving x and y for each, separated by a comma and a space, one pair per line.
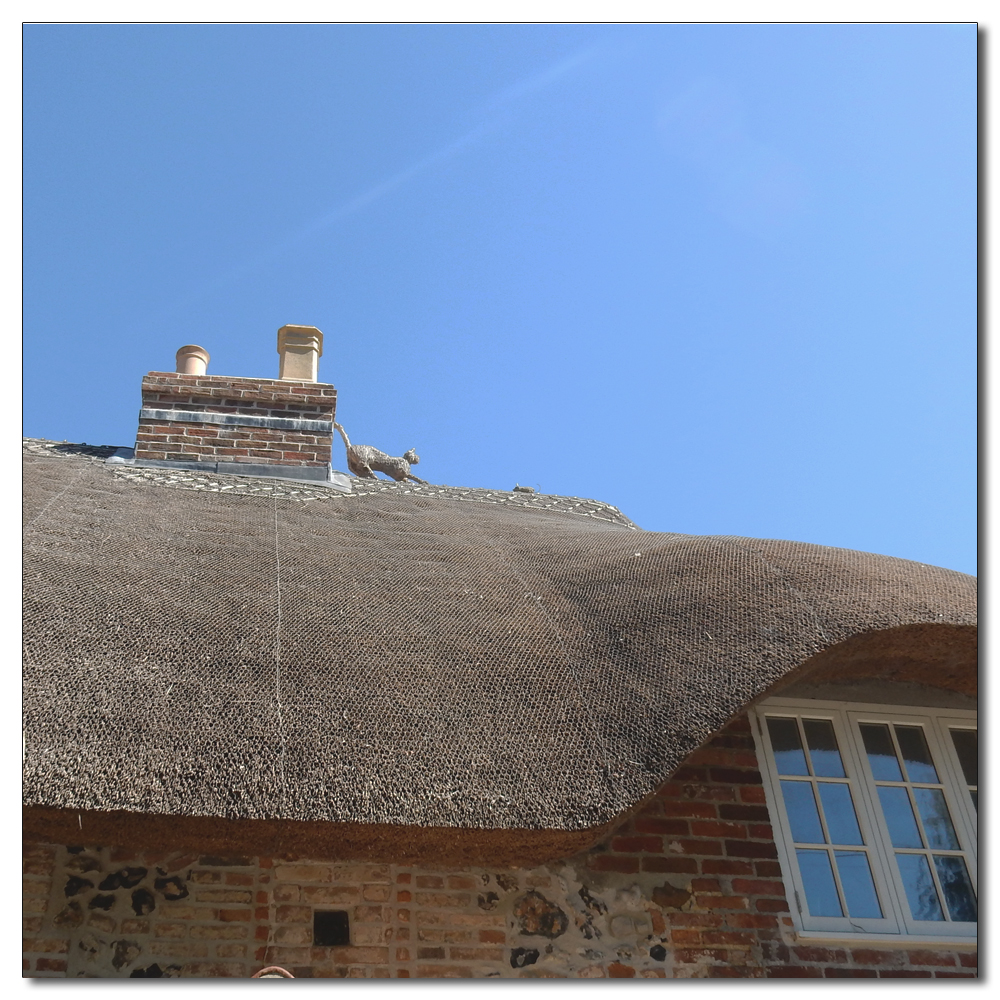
192, 360
279, 427
300, 348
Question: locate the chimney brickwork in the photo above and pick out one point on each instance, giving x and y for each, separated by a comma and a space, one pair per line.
235, 421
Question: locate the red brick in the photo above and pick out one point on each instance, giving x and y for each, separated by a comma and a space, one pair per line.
734, 972
459, 954
707, 847
761, 831
930, 958
793, 972
729, 937
735, 776
212, 970
234, 915
686, 808
771, 906
757, 813
741, 724
758, 887
444, 972
721, 902
757, 920
683, 774
955, 975
404, 896
871, 956
618, 971
676, 827
717, 828
767, 869
689, 956
708, 755
633, 845
443, 899
50, 965
752, 793
461, 882
691, 919
711, 793
725, 866
404, 878
662, 864
50, 945
751, 849
685, 937
903, 974
808, 953
850, 974
969, 960
705, 885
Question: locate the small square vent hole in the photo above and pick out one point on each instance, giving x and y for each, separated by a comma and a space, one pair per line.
330, 927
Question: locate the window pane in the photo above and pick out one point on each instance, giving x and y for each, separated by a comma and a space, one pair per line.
958, 894
937, 822
788, 752
821, 890
881, 752
913, 744
899, 818
823, 749
967, 747
803, 816
838, 809
856, 881
920, 891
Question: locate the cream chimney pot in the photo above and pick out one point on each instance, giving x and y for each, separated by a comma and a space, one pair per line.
192, 360
300, 348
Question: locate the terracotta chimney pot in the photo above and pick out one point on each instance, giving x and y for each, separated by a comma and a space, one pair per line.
192, 360
300, 348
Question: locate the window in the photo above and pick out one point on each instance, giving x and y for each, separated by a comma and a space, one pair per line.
875, 812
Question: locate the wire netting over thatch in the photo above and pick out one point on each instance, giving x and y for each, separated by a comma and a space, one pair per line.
218, 646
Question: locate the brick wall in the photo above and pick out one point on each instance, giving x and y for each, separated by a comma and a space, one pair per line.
201, 442
687, 887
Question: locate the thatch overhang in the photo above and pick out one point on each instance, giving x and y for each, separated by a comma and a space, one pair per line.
412, 671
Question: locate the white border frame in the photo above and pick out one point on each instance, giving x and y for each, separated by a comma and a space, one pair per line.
898, 927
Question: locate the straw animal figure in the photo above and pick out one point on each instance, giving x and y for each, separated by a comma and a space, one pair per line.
364, 461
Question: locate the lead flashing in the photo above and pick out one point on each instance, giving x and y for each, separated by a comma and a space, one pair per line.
237, 420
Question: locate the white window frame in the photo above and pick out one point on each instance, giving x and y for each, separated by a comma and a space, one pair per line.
896, 924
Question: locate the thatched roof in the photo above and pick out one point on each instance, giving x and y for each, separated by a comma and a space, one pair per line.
220, 647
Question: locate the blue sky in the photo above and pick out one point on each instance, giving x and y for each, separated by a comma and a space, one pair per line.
721, 276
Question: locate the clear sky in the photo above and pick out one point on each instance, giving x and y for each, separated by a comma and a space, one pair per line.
721, 276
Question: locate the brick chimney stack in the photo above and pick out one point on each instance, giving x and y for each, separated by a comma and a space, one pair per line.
244, 426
